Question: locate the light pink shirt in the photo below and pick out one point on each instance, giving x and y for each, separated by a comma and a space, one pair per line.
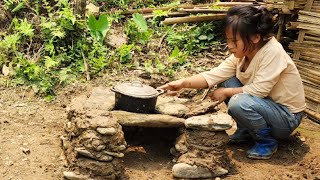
271, 73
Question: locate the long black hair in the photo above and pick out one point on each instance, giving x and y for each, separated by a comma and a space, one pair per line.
249, 21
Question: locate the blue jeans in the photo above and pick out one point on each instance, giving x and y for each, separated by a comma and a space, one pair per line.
254, 113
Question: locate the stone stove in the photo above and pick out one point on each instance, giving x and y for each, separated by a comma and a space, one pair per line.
94, 143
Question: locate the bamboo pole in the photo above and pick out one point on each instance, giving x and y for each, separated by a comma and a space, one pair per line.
195, 11
312, 38
313, 114
192, 19
188, 6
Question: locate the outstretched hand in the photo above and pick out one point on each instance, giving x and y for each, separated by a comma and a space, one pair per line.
172, 88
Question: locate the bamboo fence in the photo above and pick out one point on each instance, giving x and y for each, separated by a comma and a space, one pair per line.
285, 6
306, 55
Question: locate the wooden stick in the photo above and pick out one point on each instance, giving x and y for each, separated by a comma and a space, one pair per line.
313, 114
191, 19
281, 25
86, 67
162, 38
195, 11
172, 14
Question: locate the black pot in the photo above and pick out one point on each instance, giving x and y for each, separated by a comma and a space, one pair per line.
136, 97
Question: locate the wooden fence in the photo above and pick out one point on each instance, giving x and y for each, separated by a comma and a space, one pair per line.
306, 55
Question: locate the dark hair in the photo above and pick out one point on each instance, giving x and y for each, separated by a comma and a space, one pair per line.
249, 21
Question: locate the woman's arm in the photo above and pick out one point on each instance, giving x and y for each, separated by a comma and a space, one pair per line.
195, 82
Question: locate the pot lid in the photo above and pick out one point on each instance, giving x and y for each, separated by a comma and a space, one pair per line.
136, 89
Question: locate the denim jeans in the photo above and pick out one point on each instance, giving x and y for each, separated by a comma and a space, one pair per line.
254, 113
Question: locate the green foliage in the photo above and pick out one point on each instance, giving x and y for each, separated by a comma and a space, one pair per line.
177, 57
141, 23
137, 29
125, 52
100, 27
47, 46
98, 57
14, 5
193, 40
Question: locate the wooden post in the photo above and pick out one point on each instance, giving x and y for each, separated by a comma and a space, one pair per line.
80, 8
281, 25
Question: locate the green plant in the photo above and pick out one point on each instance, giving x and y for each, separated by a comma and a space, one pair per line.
99, 28
14, 5
177, 57
137, 29
125, 52
195, 39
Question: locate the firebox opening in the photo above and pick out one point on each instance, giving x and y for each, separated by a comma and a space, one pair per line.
149, 148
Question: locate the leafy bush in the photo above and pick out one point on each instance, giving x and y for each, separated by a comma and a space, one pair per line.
47, 45
195, 39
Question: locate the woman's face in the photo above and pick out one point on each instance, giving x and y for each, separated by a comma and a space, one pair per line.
235, 44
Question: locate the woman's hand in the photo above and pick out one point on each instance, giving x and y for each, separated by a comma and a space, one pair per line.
220, 94
173, 87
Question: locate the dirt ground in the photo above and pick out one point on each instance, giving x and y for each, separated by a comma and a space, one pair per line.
30, 145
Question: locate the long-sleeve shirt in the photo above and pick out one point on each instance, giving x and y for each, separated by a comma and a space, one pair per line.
271, 73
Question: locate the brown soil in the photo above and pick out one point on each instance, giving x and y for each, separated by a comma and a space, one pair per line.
30, 145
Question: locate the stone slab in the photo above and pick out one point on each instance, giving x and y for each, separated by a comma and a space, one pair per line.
210, 122
147, 120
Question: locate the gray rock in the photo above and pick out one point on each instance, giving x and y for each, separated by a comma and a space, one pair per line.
73, 176
83, 123
100, 147
180, 144
84, 152
201, 107
171, 99
114, 154
76, 106
147, 120
119, 148
210, 122
116, 38
97, 156
107, 131
183, 170
173, 109
174, 152
70, 127
92, 9
101, 98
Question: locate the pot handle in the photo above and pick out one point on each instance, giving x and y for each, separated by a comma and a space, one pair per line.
113, 89
160, 91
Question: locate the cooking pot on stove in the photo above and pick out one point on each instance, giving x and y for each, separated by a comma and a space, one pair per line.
136, 97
